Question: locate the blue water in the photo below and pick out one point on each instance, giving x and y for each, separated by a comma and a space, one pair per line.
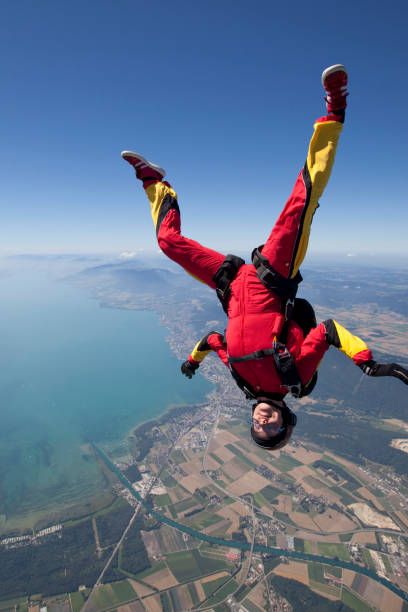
71, 372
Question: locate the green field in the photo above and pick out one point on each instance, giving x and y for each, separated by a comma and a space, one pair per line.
184, 504
224, 591
241, 455
353, 602
269, 492
193, 592
123, 590
208, 520
221, 483
387, 563
260, 500
308, 546
178, 457
285, 463
77, 601
209, 587
328, 549
105, 597
156, 566
251, 607
216, 458
189, 565
368, 560
162, 500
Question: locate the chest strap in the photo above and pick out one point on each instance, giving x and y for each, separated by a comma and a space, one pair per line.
284, 363
285, 288
224, 277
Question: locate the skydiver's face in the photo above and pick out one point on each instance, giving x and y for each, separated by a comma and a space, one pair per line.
267, 419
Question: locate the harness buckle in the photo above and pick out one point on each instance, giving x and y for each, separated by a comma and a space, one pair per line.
289, 306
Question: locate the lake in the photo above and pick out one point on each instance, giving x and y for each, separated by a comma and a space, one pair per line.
73, 372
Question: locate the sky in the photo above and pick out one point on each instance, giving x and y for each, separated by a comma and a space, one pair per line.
222, 94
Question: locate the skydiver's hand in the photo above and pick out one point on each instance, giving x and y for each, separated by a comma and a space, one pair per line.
188, 368
372, 368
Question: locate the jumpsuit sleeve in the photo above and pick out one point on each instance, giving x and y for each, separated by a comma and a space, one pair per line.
213, 341
320, 338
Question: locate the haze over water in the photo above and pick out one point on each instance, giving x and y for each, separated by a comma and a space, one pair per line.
70, 372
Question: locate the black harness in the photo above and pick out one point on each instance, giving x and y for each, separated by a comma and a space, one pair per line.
286, 290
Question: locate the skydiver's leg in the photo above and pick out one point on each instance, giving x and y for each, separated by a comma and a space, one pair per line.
202, 263
287, 244
197, 260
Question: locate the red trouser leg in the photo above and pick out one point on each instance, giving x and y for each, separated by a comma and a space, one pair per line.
287, 244
197, 260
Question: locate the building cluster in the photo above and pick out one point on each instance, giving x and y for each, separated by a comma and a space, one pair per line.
36, 538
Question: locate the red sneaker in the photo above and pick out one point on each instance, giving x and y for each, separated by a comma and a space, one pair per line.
144, 169
334, 81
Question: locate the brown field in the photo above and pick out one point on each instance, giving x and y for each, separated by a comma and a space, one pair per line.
374, 593
151, 543
185, 598
223, 453
301, 472
333, 521
285, 503
200, 591
281, 540
153, 604
194, 466
249, 483
214, 577
348, 577
163, 579
391, 602
365, 537
303, 520
226, 437
236, 508
321, 490
256, 595
192, 482
172, 494
136, 606
211, 464
402, 517
233, 469
370, 496
302, 454
140, 589
294, 570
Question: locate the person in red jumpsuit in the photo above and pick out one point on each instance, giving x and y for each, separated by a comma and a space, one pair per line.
272, 343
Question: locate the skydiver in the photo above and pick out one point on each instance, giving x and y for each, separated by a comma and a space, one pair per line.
272, 344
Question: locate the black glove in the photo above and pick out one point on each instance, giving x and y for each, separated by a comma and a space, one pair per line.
372, 368
188, 368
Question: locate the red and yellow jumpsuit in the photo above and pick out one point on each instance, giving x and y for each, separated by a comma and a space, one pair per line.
255, 316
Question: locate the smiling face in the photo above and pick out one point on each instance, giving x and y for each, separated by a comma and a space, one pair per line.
267, 419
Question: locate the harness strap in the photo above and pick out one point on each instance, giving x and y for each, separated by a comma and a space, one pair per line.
249, 391
224, 277
284, 363
285, 288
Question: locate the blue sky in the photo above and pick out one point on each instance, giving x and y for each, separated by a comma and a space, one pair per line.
223, 94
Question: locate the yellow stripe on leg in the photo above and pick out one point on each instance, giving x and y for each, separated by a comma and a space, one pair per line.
319, 163
156, 192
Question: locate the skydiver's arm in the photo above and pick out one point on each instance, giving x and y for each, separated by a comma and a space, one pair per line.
332, 333
213, 341
319, 339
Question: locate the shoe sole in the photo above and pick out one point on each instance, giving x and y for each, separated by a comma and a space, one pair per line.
331, 70
143, 160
